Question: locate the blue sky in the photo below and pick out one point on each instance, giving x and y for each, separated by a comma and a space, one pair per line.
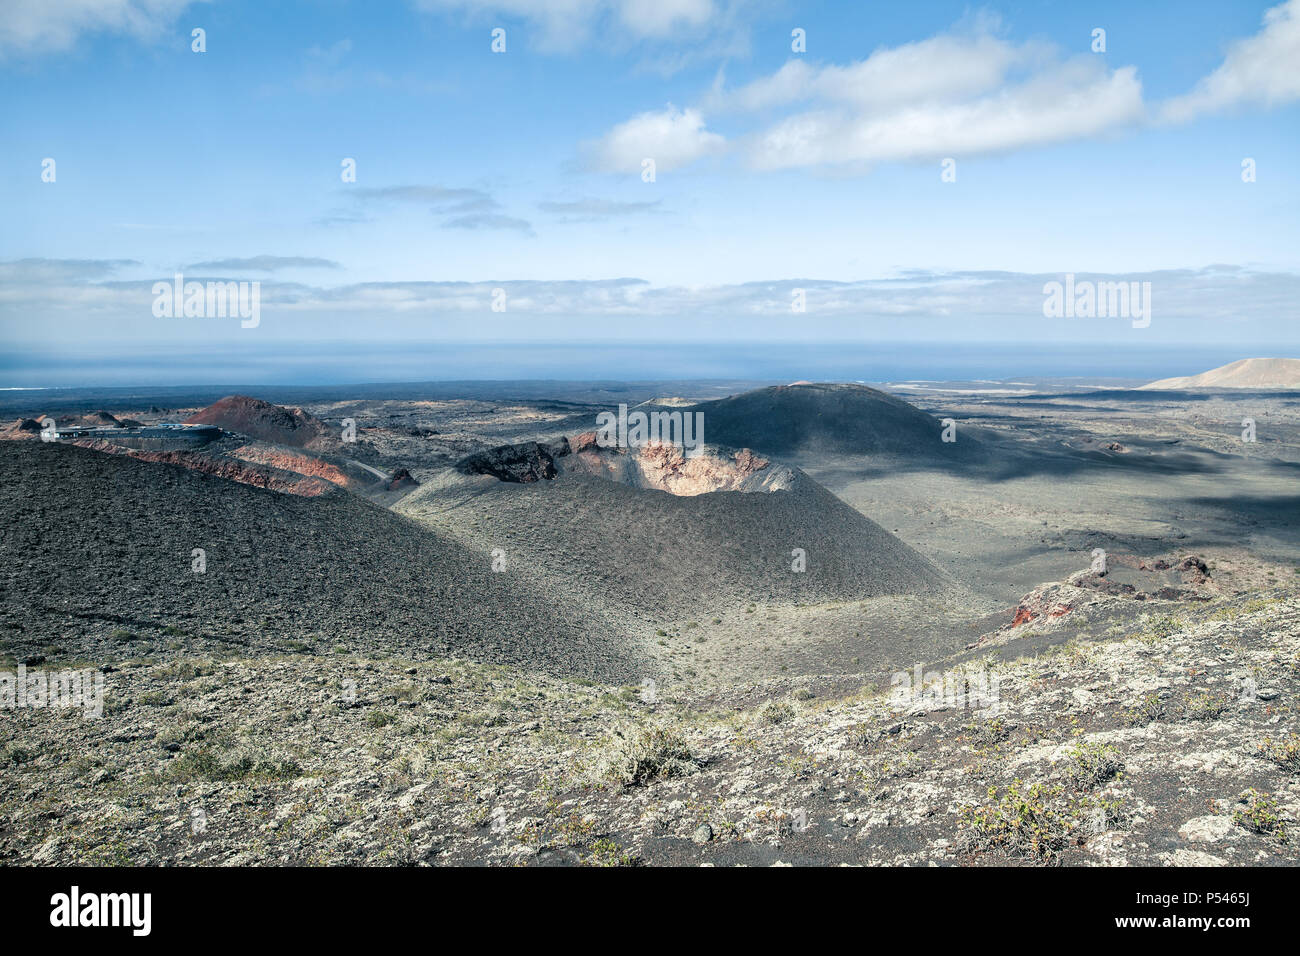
521, 170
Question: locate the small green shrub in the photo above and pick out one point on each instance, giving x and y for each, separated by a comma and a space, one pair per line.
1285, 753
1020, 821
1093, 764
1151, 709
237, 763
1258, 813
645, 753
777, 712
1207, 706
1161, 628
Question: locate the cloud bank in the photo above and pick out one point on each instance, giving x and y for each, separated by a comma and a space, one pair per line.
963, 93
72, 301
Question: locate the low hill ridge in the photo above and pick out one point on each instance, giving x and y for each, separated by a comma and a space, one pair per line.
1243, 373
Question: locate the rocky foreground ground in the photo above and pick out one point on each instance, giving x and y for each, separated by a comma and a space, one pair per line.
1171, 739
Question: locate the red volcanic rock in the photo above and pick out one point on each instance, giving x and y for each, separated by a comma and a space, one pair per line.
292, 461
401, 479
246, 473
1194, 569
584, 442
262, 420
1033, 607
667, 467
1048, 602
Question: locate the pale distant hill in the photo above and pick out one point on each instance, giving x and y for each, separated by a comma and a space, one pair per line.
1245, 373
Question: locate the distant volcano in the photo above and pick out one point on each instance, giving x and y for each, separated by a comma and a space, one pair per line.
843, 419
273, 423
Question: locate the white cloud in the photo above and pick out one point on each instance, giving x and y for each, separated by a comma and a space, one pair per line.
1078, 100
563, 23
1262, 69
671, 137
962, 93
958, 94
658, 18
939, 68
30, 27
567, 24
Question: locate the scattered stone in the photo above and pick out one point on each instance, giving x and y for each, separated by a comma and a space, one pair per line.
1208, 829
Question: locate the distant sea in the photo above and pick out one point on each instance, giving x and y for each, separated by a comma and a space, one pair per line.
277, 363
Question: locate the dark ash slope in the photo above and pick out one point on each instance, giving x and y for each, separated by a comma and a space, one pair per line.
670, 557
97, 548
